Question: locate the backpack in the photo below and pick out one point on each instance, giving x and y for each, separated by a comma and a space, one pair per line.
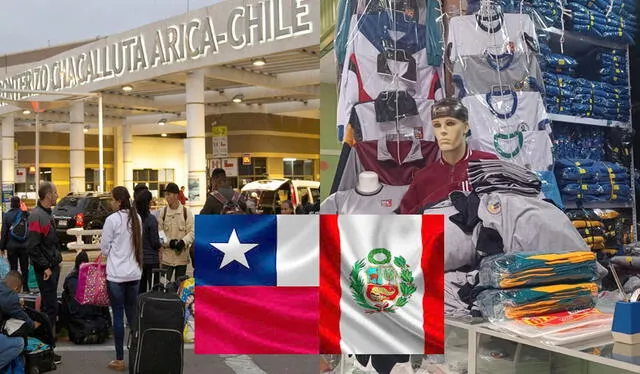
229, 207
19, 229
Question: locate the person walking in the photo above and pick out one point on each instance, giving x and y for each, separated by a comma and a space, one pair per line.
122, 245
177, 223
182, 197
222, 194
16, 249
151, 245
43, 246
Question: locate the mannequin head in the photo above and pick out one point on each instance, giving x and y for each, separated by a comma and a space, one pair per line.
450, 127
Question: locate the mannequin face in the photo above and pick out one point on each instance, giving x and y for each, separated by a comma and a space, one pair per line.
450, 133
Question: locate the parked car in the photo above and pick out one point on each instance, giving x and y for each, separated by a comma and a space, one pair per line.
271, 192
88, 210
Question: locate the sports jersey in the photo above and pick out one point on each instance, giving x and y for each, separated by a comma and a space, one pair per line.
471, 36
434, 183
478, 73
531, 149
395, 162
384, 55
382, 201
392, 111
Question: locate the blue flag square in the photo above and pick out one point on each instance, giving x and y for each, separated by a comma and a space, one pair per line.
235, 250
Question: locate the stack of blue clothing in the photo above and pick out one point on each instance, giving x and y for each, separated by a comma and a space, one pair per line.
612, 20
588, 180
579, 142
613, 67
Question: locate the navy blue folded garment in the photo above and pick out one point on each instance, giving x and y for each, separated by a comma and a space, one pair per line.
566, 162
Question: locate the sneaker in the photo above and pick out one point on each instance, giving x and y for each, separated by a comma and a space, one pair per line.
57, 359
117, 365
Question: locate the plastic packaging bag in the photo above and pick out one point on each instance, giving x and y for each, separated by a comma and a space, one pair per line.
4, 267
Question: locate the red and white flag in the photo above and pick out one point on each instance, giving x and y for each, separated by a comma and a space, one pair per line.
382, 284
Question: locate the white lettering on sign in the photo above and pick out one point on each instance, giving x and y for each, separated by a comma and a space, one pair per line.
248, 25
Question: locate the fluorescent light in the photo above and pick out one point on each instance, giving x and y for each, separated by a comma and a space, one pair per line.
127, 88
238, 98
289, 159
26, 112
259, 62
162, 122
163, 135
85, 129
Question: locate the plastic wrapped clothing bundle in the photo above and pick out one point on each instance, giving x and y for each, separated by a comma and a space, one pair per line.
527, 302
527, 269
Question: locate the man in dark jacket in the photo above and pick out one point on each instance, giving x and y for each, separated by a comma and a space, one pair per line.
44, 250
220, 184
11, 347
16, 249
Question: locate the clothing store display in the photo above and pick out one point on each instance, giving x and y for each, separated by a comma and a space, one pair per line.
526, 269
455, 284
383, 201
423, 192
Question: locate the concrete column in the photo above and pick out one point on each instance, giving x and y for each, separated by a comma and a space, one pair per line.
8, 152
76, 143
197, 179
118, 156
127, 150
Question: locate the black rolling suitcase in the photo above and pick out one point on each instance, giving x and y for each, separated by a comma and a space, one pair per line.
156, 342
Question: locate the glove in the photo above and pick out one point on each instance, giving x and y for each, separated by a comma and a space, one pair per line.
173, 243
180, 246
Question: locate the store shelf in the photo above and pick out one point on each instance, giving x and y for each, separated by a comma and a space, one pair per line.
600, 205
587, 121
583, 38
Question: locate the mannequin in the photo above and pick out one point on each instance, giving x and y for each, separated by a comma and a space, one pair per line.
449, 118
369, 197
368, 183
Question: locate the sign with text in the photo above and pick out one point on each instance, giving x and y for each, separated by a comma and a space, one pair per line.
21, 175
220, 141
209, 36
230, 165
246, 159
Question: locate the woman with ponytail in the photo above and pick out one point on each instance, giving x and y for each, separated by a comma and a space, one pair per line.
122, 245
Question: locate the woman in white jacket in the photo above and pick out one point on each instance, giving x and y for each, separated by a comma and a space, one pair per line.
122, 244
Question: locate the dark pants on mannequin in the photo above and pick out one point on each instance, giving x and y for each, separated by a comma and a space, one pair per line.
382, 363
49, 294
148, 279
179, 271
21, 256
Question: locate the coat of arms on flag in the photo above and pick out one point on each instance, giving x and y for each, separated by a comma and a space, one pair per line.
382, 284
256, 284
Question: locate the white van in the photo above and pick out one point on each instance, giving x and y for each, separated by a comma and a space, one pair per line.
271, 192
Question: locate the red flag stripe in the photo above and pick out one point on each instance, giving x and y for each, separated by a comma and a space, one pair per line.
330, 291
433, 270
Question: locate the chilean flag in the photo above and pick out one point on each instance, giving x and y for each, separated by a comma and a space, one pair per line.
382, 284
256, 284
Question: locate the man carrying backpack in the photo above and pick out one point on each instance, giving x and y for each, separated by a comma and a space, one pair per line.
177, 223
223, 199
15, 230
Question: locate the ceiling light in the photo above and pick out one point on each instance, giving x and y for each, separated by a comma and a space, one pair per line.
85, 129
238, 98
162, 122
259, 62
127, 88
289, 159
26, 112
163, 135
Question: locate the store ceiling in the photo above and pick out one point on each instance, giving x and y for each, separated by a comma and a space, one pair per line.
288, 84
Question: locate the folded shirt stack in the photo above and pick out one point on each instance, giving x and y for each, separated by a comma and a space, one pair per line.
514, 303
613, 20
488, 176
579, 142
528, 269
588, 180
590, 227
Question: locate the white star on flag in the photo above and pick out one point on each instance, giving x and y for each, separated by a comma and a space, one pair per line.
234, 250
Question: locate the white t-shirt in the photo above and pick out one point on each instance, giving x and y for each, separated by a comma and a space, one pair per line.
384, 201
530, 149
116, 245
470, 37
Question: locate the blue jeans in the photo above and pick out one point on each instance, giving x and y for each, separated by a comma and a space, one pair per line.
123, 297
10, 348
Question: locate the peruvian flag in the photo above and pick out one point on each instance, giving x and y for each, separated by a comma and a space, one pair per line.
382, 284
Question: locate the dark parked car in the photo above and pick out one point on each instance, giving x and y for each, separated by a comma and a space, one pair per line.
88, 210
